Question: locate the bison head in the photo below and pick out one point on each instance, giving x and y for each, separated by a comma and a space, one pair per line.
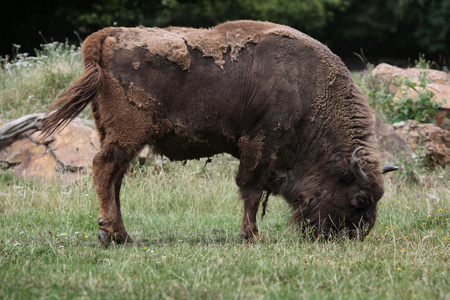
340, 197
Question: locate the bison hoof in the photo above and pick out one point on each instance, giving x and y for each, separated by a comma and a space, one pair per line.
123, 239
104, 238
255, 239
251, 237
101, 222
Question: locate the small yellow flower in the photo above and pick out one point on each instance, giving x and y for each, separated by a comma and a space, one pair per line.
429, 216
434, 219
423, 223
379, 239
399, 269
407, 207
401, 250
440, 210
86, 236
415, 210
385, 204
406, 237
144, 248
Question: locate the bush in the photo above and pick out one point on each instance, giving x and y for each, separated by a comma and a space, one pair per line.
403, 106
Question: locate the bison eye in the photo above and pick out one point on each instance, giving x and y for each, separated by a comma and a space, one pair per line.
360, 201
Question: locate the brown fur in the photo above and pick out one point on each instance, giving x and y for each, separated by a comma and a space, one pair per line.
269, 95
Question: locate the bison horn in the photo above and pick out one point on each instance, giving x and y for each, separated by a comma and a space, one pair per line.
361, 177
387, 169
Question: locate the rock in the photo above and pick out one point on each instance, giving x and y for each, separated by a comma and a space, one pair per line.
391, 144
143, 156
34, 160
442, 118
426, 139
147, 155
66, 156
440, 86
76, 145
390, 73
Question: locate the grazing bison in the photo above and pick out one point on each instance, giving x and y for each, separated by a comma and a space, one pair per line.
267, 94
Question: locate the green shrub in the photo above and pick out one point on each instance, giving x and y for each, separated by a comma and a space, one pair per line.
404, 107
422, 109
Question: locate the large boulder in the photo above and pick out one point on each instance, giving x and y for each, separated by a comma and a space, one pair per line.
65, 156
392, 72
439, 84
427, 140
391, 144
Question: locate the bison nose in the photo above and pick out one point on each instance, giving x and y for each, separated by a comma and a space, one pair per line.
366, 228
359, 232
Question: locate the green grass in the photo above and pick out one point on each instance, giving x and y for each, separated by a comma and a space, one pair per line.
186, 223
30, 84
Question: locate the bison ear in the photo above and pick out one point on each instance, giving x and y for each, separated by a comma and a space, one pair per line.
341, 168
387, 169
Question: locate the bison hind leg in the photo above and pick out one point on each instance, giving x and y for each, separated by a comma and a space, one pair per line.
110, 165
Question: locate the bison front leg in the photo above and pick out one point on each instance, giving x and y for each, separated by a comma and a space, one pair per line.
249, 229
251, 178
110, 165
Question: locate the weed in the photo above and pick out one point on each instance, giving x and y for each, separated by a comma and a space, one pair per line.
423, 63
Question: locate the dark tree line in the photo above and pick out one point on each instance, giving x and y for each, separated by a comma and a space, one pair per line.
401, 28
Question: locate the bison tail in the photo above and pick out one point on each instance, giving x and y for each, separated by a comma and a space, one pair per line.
74, 100
82, 92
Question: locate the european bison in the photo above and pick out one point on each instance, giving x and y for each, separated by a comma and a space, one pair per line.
273, 97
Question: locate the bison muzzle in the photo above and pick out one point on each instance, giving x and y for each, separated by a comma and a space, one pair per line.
269, 95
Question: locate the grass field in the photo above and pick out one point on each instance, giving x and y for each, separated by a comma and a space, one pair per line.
186, 223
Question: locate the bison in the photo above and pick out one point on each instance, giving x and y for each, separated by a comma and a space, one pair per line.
276, 99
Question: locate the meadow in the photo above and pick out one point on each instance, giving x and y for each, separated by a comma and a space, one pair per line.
186, 220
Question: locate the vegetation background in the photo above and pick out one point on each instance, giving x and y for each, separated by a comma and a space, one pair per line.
186, 219
382, 28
